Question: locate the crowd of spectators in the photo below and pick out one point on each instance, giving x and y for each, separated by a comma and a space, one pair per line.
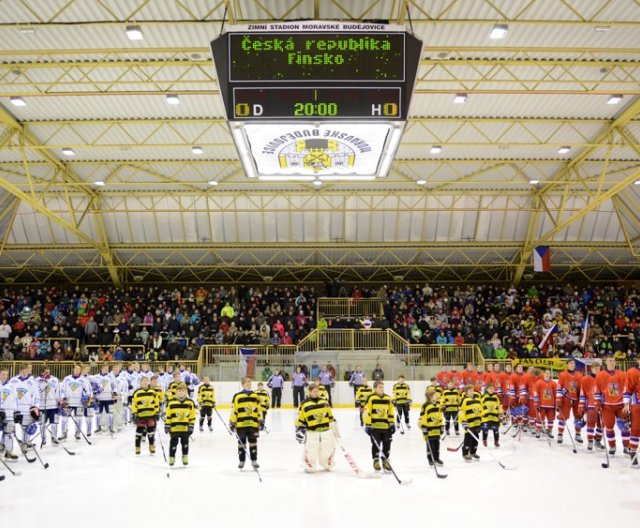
508, 322
148, 322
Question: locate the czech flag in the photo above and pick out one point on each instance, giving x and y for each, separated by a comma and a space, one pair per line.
550, 332
542, 259
585, 330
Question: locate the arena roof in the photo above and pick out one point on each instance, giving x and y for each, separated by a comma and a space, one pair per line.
475, 215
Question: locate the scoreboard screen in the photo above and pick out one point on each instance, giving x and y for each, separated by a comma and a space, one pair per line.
312, 57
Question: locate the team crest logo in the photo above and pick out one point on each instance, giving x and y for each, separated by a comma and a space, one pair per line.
613, 389
316, 155
21, 393
546, 394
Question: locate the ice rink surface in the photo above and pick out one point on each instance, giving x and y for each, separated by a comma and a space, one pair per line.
107, 485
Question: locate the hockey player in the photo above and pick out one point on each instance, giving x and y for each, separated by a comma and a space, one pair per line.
173, 386
145, 410
450, 403
322, 390
298, 383
632, 408
73, 392
364, 391
568, 399
527, 383
49, 400
491, 415
27, 399
276, 383
431, 425
516, 392
545, 403
154, 385
106, 397
246, 421
609, 402
470, 417
7, 410
503, 387
181, 417
443, 376
90, 405
206, 402
122, 390
263, 396
469, 375
402, 401
587, 404
316, 429
379, 424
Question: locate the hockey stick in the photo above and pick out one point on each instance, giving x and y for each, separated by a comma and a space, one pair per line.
164, 454
454, 449
634, 460
59, 444
435, 466
45, 465
223, 422
385, 459
22, 449
444, 433
575, 449
503, 466
400, 424
14, 473
246, 454
352, 463
605, 465
78, 428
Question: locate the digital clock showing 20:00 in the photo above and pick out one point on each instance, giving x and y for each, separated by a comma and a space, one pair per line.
317, 103
278, 57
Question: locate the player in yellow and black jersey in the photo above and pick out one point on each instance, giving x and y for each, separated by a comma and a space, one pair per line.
450, 403
402, 401
246, 421
362, 395
491, 415
206, 402
431, 424
181, 417
265, 399
171, 389
470, 416
153, 384
379, 424
145, 410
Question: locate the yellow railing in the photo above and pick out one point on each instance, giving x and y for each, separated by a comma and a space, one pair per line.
332, 307
446, 354
210, 354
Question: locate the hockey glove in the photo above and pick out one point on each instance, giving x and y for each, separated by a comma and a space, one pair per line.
369, 430
424, 430
17, 417
409, 402
465, 426
394, 402
3, 416
522, 400
232, 427
392, 429
301, 435
485, 426
134, 418
167, 429
261, 425
35, 413
190, 429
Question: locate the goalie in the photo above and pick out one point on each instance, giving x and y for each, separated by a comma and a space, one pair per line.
316, 429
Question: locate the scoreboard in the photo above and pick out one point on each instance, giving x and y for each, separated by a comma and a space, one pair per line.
312, 100
318, 70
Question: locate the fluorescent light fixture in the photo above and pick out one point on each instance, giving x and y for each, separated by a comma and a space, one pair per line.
601, 29
68, 151
436, 149
637, 182
17, 101
499, 31
197, 150
317, 183
134, 33
298, 177
27, 30
213, 183
173, 99
99, 183
614, 99
391, 147
338, 177
534, 182
421, 182
564, 149
460, 98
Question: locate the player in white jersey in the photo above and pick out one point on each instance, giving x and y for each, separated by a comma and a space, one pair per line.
106, 396
190, 379
74, 393
164, 379
145, 372
122, 390
7, 409
133, 374
49, 401
90, 405
27, 413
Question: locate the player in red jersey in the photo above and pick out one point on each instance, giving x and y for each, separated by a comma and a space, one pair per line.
568, 399
480, 384
587, 403
456, 377
516, 393
443, 376
490, 377
469, 375
610, 384
503, 387
632, 407
544, 402
528, 381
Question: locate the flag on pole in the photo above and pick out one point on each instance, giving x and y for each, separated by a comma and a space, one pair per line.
550, 332
585, 330
542, 258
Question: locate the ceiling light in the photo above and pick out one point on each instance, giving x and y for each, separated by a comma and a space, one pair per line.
564, 149
68, 151
614, 99
99, 183
637, 182
498, 31
134, 33
213, 183
421, 182
317, 183
436, 149
27, 30
601, 29
460, 98
534, 182
17, 101
173, 99
197, 150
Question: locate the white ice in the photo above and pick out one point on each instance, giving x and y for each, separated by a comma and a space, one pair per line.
106, 484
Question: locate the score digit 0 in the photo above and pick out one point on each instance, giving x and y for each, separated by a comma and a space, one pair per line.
246, 110
386, 109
